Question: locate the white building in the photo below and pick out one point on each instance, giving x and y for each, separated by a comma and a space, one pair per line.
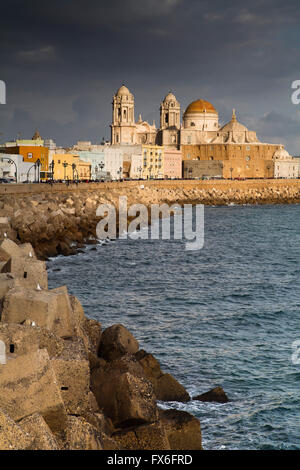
285, 166
25, 170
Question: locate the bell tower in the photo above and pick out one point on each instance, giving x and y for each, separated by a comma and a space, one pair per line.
170, 112
123, 124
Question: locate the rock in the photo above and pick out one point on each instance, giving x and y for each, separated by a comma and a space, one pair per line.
144, 437
12, 437
215, 395
166, 387
80, 435
37, 428
117, 341
48, 309
126, 400
33, 388
92, 328
183, 430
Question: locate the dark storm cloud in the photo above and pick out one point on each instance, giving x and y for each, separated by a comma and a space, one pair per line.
63, 60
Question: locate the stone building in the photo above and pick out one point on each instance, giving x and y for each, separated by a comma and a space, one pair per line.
202, 169
153, 161
199, 136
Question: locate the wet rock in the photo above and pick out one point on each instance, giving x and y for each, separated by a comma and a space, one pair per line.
215, 395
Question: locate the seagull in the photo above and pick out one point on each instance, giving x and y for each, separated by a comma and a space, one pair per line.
30, 254
33, 323
38, 287
5, 235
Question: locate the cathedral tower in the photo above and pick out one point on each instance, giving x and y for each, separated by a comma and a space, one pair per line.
170, 112
123, 125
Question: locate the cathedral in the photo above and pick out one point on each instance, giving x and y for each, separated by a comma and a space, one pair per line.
200, 124
198, 136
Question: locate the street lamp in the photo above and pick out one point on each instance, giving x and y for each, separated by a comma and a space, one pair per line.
231, 170
65, 164
9, 160
73, 169
37, 166
120, 172
268, 168
140, 170
52, 170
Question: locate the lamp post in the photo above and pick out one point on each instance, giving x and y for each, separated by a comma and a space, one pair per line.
268, 168
231, 170
65, 164
101, 165
52, 170
9, 160
73, 169
140, 171
37, 167
191, 171
33, 166
120, 172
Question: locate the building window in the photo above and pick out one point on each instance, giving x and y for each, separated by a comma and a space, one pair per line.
192, 124
247, 158
29, 155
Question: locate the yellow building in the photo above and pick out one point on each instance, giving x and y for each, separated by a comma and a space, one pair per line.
153, 161
68, 166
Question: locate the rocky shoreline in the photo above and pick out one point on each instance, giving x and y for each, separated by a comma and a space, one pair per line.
63, 222
65, 384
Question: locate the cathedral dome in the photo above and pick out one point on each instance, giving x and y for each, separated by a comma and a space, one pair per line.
200, 106
234, 125
122, 91
282, 154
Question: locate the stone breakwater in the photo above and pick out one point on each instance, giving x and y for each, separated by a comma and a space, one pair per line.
67, 385
61, 219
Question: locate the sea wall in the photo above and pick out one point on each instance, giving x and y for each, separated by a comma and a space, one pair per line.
67, 385
59, 219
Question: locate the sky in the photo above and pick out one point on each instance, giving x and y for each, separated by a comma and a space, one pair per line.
62, 61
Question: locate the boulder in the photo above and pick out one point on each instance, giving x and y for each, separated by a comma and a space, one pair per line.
183, 430
28, 385
126, 399
117, 341
217, 395
166, 387
37, 428
12, 436
144, 437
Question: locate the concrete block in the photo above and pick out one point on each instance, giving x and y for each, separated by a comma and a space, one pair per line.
28, 385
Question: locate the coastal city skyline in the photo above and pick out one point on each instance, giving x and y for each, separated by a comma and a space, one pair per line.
245, 58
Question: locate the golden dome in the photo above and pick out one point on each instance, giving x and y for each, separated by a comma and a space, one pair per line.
200, 106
